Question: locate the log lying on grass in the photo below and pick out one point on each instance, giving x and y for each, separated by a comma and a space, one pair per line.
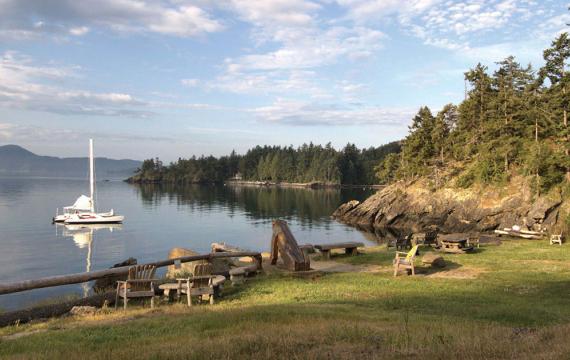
53, 310
283, 243
8, 288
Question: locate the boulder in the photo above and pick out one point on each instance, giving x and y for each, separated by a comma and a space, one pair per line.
83, 310
221, 266
346, 207
540, 210
434, 260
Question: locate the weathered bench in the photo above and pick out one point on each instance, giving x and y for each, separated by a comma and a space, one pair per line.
349, 248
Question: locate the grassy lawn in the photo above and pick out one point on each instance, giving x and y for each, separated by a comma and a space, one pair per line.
503, 301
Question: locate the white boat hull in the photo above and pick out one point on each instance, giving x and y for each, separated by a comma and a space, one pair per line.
60, 218
94, 219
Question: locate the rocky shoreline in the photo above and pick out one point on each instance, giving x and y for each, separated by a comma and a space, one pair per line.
415, 207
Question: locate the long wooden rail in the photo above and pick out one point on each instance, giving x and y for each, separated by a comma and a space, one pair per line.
8, 288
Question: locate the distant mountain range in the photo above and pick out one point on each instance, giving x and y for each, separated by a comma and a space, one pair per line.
17, 161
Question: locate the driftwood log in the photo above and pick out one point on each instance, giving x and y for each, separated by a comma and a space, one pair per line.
283, 243
8, 288
47, 311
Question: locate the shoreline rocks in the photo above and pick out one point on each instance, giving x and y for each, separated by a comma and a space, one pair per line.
414, 207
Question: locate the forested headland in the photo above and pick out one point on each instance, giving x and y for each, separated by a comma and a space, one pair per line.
304, 164
513, 121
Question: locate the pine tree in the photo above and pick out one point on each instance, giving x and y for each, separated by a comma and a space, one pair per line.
555, 70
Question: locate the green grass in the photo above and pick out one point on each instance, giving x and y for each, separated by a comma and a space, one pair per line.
506, 301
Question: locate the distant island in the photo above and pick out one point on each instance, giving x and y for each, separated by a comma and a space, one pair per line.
17, 161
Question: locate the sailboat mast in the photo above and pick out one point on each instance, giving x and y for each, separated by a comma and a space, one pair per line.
91, 175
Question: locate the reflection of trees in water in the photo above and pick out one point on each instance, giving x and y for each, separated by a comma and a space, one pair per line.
305, 205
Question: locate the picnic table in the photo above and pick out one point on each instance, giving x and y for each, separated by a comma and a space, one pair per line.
455, 244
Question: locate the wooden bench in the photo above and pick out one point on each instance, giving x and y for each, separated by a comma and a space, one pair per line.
349, 248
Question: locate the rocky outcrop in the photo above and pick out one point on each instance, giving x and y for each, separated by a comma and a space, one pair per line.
413, 207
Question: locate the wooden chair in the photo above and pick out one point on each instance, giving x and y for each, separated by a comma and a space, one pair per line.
200, 284
473, 240
405, 260
431, 237
139, 284
404, 242
556, 239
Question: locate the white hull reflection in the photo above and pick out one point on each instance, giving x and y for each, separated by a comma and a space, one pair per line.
83, 237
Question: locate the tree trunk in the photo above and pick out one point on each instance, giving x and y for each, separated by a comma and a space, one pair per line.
566, 152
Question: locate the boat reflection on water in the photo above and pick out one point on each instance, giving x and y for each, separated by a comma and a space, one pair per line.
83, 237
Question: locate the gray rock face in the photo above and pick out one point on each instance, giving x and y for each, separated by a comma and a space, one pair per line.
414, 208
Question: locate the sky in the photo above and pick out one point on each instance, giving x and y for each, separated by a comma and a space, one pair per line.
176, 78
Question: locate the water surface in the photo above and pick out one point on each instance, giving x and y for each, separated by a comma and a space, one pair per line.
158, 218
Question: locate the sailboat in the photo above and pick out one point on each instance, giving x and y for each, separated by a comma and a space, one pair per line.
83, 210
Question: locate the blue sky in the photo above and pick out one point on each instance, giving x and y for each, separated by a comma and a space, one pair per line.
177, 78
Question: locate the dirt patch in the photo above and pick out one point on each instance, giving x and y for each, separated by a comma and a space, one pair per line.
458, 273
22, 334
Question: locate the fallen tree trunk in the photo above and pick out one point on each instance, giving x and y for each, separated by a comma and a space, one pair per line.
88, 276
47, 311
283, 243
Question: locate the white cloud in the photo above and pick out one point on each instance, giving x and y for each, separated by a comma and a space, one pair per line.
300, 82
274, 13
25, 133
28, 86
301, 44
459, 26
190, 82
62, 17
373, 10
294, 112
318, 48
79, 30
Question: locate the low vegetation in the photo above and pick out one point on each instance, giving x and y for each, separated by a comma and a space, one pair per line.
503, 301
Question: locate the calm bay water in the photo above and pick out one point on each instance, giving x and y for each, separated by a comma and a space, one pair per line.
158, 218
